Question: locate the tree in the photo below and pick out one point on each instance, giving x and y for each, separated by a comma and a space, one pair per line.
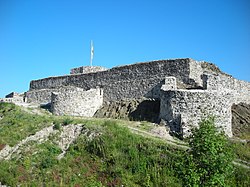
209, 160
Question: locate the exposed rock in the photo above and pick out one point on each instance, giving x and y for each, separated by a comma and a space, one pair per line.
1, 185
241, 119
40, 136
211, 68
69, 134
133, 109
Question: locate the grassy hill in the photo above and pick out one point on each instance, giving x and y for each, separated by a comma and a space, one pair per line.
93, 152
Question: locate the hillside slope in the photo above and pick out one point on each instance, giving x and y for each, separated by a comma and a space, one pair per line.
46, 150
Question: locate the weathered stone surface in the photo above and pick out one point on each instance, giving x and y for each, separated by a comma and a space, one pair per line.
222, 83
12, 94
211, 68
42, 96
208, 91
40, 136
170, 84
87, 69
142, 109
1, 185
13, 97
131, 81
76, 101
184, 109
68, 135
241, 119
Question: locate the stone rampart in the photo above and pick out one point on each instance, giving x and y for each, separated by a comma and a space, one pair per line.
76, 101
239, 89
183, 109
131, 81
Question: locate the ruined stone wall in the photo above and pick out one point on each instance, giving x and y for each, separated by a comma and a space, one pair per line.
87, 69
196, 72
239, 89
76, 101
42, 96
132, 81
182, 109
13, 97
170, 84
12, 100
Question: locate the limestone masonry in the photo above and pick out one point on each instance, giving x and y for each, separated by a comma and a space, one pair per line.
188, 91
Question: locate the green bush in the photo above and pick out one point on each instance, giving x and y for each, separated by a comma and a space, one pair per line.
209, 160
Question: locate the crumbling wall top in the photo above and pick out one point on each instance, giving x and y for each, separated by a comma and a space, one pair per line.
87, 69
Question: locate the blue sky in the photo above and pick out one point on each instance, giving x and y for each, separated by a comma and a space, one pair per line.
41, 38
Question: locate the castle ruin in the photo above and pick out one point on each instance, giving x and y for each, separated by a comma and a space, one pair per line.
188, 91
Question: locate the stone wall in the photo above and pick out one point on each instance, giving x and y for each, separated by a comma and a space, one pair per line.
131, 81
208, 92
222, 83
12, 100
182, 109
76, 101
196, 72
13, 97
12, 94
42, 96
170, 84
87, 69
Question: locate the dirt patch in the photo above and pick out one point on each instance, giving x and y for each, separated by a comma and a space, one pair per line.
2, 146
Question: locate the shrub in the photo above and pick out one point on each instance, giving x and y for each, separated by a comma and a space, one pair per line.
209, 160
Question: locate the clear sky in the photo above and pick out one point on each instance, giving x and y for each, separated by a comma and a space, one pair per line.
41, 38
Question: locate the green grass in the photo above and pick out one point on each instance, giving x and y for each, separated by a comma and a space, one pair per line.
16, 124
115, 157
242, 150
